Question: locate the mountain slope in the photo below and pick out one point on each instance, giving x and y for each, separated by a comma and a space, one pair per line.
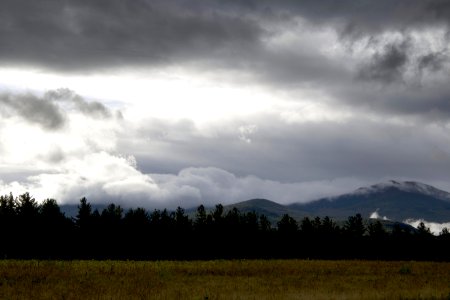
394, 200
272, 210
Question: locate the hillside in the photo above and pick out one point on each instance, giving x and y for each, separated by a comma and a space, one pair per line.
272, 210
393, 200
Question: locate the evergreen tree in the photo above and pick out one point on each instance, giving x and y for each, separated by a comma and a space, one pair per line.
7, 206
84, 216
27, 207
328, 227
112, 215
445, 232
137, 218
264, 224
218, 213
200, 219
306, 227
250, 222
50, 210
376, 230
354, 226
182, 222
423, 231
316, 224
400, 231
233, 220
287, 224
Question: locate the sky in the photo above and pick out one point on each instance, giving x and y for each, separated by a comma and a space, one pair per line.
169, 103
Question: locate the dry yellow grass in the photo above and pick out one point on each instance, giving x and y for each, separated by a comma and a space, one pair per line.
224, 279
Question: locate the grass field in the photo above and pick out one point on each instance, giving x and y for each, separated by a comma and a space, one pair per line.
224, 279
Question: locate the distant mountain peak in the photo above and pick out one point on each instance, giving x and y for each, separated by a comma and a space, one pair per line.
405, 186
256, 202
392, 200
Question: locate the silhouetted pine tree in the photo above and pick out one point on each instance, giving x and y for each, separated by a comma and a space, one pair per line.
354, 226
287, 225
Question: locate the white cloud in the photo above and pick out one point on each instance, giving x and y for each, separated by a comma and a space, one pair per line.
102, 178
246, 131
97, 176
435, 228
27, 146
161, 162
376, 215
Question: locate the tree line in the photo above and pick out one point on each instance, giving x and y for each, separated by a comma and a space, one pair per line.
40, 230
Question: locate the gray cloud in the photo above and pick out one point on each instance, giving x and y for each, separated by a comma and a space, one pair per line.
355, 19
188, 188
178, 163
232, 38
410, 102
433, 61
94, 108
214, 185
32, 109
298, 152
87, 35
386, 67
47, 110
283, 162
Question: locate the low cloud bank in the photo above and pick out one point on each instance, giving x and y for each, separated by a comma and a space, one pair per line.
376, 215
435, 228
104, 178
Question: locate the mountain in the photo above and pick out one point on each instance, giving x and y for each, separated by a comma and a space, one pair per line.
272, 210
392, 200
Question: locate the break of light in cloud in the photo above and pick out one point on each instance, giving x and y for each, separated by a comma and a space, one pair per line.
165, 103
435, 228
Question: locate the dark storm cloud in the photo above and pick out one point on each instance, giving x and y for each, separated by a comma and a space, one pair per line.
356, 18
433, 61
47, 111
236, 36
387, 66
408, 101
87, 35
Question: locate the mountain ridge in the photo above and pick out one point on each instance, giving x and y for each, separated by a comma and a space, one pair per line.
395, 200
407, 186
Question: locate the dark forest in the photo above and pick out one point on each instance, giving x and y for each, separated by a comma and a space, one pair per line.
41, 231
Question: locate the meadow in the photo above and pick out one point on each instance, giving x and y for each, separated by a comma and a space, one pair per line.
224, 279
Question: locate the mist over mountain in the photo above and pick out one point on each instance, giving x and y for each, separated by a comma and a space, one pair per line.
396, 201
392, 200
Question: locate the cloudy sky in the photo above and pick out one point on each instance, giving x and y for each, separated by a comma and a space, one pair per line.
183, 102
